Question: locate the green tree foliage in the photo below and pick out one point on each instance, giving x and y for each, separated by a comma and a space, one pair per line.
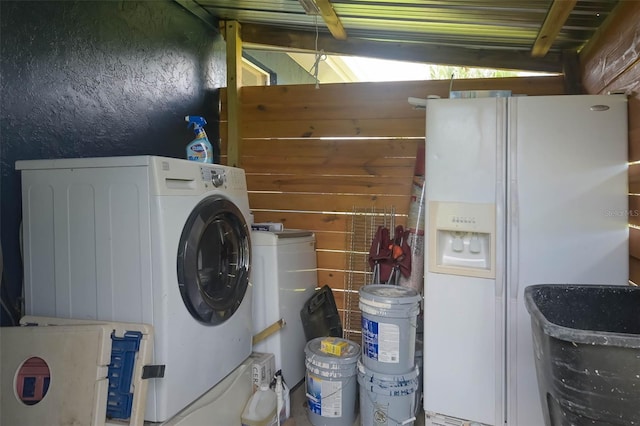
444, 72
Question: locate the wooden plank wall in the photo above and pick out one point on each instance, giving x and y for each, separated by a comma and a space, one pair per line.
611, 63
312, 155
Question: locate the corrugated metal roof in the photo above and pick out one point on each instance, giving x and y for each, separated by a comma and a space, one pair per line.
489, 25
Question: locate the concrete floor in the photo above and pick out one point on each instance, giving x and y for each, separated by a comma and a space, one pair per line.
299, 410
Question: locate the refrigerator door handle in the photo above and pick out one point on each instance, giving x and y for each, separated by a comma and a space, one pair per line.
500, 235
512, 204
512, 241
502, 208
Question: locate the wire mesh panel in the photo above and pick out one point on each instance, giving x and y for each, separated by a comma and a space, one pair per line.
361, 230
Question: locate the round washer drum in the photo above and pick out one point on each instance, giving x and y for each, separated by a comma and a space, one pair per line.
214, 260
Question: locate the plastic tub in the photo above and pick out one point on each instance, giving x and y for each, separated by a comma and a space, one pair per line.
587, 349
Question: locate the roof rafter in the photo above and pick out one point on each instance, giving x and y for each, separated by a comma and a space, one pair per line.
331, 19
553, 22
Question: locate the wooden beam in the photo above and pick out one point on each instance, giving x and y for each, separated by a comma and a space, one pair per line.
571, 71
555, 19
234, 82
331, 19
412, 52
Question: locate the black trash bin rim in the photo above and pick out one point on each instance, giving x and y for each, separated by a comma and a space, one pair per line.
575, 335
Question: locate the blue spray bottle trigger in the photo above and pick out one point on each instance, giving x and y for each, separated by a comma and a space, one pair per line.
200, 148
196, 121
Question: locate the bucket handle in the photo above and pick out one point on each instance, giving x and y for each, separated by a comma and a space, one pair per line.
309, 396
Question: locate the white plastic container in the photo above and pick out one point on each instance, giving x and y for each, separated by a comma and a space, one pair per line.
261, 409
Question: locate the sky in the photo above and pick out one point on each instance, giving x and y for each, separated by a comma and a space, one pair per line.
370, 69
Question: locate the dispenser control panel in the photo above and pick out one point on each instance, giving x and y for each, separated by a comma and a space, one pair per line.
462, 238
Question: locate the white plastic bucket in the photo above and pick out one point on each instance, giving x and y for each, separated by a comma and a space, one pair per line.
331, 384
389, 320
387, 399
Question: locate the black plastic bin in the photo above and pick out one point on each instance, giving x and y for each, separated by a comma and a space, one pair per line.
586, 342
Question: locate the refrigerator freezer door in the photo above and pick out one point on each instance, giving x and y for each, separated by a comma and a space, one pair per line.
568, 222
464, 315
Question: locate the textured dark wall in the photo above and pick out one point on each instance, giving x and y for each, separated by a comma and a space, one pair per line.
97, 78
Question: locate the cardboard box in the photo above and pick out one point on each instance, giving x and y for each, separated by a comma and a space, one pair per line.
263, 367
333, 346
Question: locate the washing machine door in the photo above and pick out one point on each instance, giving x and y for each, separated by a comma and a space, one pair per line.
213, 260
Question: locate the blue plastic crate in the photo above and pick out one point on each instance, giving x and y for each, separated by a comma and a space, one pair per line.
123, 357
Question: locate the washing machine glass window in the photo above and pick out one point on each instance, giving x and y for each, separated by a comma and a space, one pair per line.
213, 260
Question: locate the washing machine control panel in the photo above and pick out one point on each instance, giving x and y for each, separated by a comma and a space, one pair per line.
217, 177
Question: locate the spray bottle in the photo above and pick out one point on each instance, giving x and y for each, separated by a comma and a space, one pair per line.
200, 148
283, 401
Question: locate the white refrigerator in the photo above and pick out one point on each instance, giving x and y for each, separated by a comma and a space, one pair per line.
519, 191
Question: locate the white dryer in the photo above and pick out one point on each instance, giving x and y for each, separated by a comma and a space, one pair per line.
284, 277
145, 239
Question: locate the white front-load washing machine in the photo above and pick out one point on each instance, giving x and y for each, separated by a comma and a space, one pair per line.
145, 239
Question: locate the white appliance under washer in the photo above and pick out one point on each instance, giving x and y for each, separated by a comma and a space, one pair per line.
145, 239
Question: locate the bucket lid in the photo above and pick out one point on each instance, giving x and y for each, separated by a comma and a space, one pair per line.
385, 295
349, 355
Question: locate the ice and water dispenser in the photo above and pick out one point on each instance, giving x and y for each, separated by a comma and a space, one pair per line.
462, 238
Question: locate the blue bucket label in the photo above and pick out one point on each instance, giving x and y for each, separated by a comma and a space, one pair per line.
324, 397
369, 338
380, 341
